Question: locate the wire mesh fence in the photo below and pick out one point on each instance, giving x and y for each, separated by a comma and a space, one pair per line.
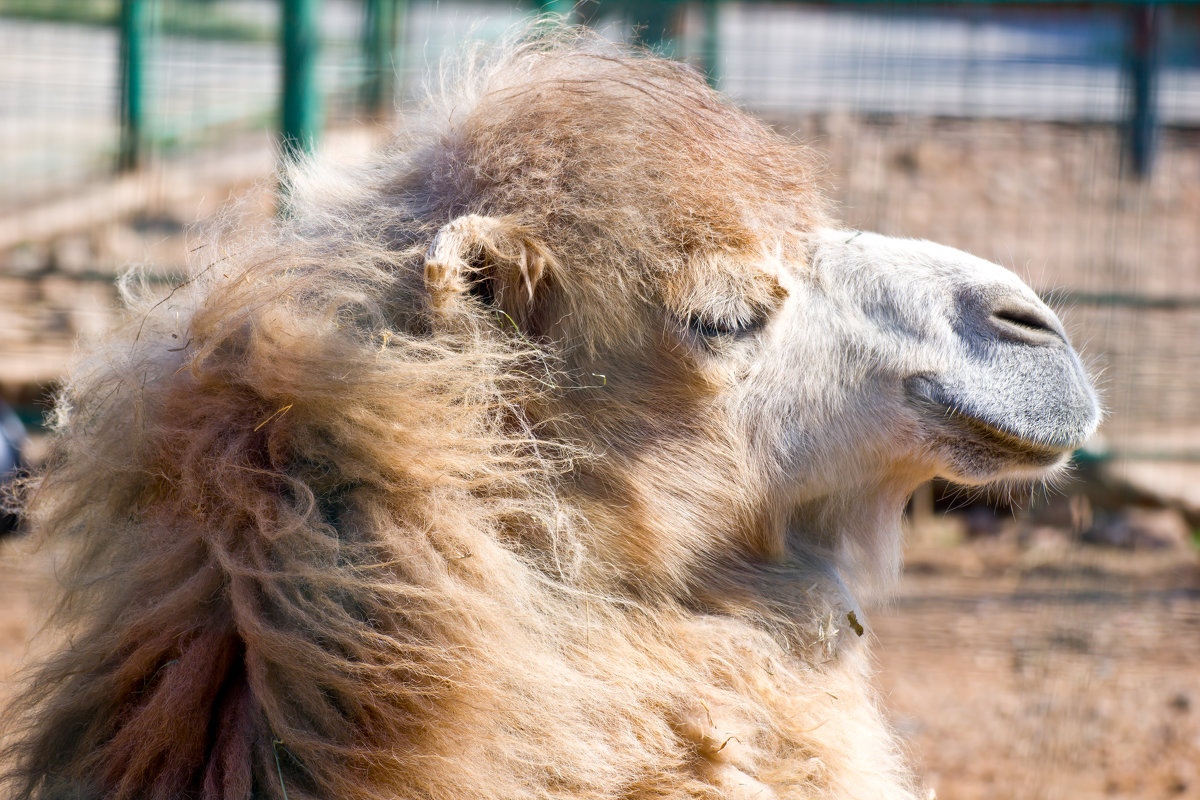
1061, 63
210, 73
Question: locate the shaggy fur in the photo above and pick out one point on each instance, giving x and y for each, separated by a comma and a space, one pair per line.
414, 498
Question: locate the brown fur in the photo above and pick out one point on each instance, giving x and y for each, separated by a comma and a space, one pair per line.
386, 507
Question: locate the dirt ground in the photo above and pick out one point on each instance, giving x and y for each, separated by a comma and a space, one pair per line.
1047, 672
1039, 670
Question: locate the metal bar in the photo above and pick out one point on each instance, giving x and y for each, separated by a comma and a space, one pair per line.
135, 32
1080, 457
710, 42
1143, 87
301, 113
1119, 299
379, 36
564, 9
398, 38
654, 25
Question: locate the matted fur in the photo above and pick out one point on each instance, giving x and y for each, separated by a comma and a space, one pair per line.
365, 510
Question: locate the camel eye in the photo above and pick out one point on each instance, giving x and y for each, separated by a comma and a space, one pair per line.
719, 328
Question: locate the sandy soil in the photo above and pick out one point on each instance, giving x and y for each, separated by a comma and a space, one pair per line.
1047, 672
1036, 672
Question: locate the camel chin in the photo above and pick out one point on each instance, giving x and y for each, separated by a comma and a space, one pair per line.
983, 443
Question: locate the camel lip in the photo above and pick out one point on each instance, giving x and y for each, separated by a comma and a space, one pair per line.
936, 399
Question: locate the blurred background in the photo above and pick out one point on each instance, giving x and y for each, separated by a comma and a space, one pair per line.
1044, 645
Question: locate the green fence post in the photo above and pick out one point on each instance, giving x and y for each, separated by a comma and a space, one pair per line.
135, 31
710, 42
1146, 26
654, 25
301, 115
379, 47
565, 9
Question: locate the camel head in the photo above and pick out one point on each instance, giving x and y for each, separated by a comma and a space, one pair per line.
805, 398
754, 383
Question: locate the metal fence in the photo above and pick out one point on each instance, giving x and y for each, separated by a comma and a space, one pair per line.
1062, 139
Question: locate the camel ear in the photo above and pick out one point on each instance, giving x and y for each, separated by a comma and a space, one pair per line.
492, 259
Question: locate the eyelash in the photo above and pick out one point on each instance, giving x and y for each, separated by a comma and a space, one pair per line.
716, 329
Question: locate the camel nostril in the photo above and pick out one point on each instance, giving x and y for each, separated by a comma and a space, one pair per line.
1026, 322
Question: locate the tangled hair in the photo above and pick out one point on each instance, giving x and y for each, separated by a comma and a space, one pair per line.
336, 524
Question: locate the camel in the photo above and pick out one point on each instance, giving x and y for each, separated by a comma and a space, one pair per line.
553, 453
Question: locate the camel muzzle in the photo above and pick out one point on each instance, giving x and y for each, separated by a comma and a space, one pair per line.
1017, 382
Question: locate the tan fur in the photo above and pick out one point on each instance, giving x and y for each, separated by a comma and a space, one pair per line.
413, 499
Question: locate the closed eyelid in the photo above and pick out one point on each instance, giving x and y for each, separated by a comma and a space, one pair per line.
714, 326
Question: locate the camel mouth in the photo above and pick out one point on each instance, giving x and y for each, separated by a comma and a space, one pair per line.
965, 412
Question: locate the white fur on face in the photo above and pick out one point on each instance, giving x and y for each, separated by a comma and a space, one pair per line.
892, 361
